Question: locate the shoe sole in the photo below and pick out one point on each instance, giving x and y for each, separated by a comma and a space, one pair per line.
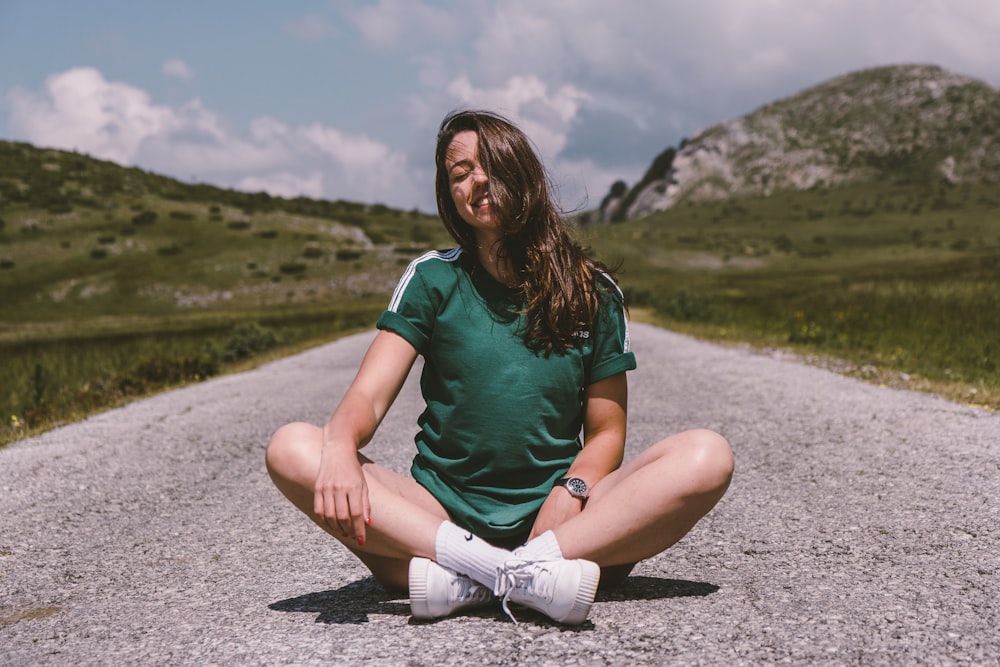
419, 604
590, 577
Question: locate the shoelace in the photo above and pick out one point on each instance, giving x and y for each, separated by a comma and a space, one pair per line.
522, 575
463, 589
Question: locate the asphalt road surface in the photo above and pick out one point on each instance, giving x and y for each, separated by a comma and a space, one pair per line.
861, 527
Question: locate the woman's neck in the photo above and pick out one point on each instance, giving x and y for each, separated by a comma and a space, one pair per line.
488, 253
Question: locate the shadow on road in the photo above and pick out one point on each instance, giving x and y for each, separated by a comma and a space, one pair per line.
654, 588
352, 604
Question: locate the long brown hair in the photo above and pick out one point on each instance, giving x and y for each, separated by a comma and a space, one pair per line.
552, 270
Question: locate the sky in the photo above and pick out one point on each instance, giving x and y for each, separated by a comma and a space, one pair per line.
341, 99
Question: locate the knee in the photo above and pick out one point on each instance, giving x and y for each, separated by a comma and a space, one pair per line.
285, 447
712, 458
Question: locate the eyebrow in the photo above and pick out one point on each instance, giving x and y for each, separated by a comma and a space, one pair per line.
461, 163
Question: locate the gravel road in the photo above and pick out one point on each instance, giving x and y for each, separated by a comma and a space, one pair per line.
862, 527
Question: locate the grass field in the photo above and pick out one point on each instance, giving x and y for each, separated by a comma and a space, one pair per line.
900, 283
116, 283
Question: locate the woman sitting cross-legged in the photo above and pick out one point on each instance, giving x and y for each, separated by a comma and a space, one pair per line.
525, 347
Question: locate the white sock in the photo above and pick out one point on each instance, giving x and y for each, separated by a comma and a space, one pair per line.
543, 547
461, 551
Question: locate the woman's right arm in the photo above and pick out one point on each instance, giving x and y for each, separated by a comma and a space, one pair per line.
341, 494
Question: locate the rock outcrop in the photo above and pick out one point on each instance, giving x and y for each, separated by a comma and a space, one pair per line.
916, 122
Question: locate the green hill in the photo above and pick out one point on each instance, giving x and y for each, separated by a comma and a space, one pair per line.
82, 237
116, 281
902, 123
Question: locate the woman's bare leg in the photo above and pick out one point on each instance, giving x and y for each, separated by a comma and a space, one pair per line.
651, 502
404, 516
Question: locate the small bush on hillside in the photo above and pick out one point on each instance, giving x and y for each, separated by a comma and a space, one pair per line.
169, 251
247, 340
689, 306
349, 254
312, 252
59, 207
144, 218
98, 253
238, 225
159, 371
292, 268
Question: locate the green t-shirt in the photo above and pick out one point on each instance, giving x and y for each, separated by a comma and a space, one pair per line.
502, 422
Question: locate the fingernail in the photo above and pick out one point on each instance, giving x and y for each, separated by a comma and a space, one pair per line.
368, 521
361, 541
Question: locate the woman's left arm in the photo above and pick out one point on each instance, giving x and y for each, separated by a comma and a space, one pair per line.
605, 407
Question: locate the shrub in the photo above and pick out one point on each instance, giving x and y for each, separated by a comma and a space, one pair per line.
59, 207
162, 370
349, 254
689, 306
106, 239
181, 215
312, 252
40, 380
247, 340
292, 268
144, 218
238, 225
169, 250
98, 253
6, 264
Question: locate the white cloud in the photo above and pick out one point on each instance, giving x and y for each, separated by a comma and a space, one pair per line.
410, 25
79, 109
543, 115
667, 69
601, 88
284, 184
308, 28
176, 68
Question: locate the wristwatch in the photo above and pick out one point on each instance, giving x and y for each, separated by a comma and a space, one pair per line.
576, 487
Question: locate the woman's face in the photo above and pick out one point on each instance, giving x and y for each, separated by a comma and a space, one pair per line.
468, 184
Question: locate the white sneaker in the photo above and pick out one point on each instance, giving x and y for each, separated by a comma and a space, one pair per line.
436, 591
563, 590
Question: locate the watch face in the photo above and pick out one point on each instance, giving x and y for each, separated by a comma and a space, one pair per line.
576, 486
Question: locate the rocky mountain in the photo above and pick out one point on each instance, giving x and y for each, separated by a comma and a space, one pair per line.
910, 122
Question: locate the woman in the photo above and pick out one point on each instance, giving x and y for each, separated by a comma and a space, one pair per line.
525, 345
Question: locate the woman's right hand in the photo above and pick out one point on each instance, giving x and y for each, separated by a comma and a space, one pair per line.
341, 495
340, 500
